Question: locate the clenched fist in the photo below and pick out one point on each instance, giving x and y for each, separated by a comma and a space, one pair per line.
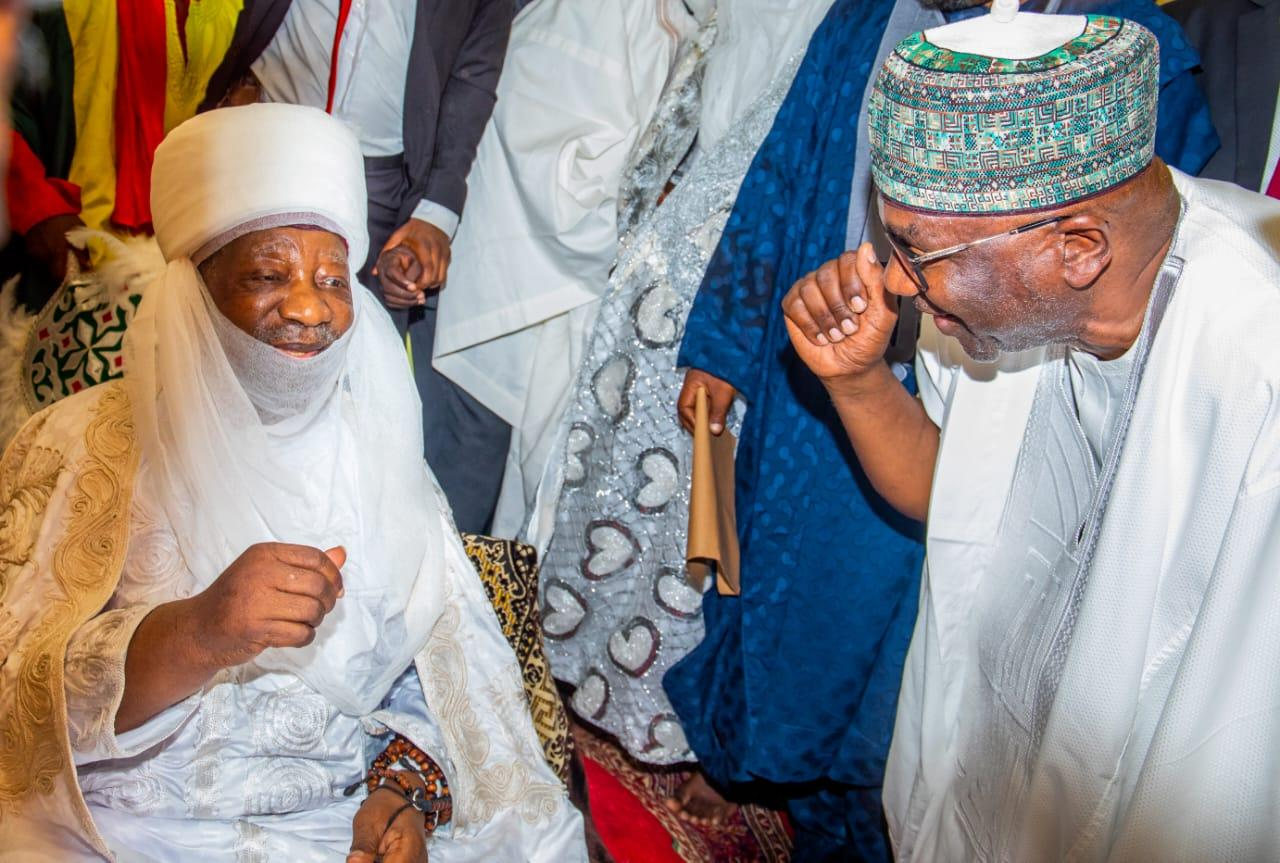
419, 262
385, 830
839, 317
273, 595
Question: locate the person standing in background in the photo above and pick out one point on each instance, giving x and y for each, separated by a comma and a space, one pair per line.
87, 118
416, 81
1239, 46
532, 257
613, 508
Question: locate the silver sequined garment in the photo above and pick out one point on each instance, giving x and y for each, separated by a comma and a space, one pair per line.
617, 610
667, 139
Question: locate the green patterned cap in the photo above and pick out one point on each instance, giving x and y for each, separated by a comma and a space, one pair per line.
962, 133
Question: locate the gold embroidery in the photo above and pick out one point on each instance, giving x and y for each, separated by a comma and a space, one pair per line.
34, 750
10, 628
28, 477
483, 789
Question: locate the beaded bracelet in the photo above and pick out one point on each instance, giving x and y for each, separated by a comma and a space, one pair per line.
391, 770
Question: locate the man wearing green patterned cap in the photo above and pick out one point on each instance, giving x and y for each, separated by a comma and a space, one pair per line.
1093, 674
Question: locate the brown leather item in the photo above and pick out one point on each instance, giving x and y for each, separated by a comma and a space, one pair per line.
713, 526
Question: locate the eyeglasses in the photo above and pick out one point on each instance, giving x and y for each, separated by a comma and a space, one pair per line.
914, 264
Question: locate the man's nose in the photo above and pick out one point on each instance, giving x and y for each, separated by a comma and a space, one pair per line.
305, 303
897, 280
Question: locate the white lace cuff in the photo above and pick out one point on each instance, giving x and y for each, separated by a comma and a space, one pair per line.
93, 677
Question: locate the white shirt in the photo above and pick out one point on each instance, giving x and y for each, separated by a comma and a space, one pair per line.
755, 40
373, 65
1098, 388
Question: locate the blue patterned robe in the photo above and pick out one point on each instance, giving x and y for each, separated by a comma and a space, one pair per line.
796, 681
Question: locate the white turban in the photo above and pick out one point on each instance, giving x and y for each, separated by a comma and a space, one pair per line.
230, 172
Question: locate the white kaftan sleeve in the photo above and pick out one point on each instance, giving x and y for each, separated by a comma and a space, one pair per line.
93, 678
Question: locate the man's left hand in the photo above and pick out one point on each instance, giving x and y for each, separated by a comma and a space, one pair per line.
402, 841
430, 246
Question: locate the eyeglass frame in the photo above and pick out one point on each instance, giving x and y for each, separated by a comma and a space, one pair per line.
917, 262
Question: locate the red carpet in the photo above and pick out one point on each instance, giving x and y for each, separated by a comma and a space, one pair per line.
627, 807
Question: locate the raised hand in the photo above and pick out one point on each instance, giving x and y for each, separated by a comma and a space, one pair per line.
273, 595
839, 317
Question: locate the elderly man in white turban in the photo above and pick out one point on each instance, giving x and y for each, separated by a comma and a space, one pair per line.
236, 622
1093, 671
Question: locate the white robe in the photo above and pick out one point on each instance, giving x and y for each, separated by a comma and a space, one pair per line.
1163, 740
253, 766
533, 254
580, 82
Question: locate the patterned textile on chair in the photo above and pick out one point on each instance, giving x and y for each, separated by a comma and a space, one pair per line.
76, 340
509, 572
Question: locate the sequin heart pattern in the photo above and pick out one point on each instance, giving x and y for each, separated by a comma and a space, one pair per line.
611, 385
655, 315
659, 479
674, 595
610, 548
563, 610
577, 446
666, 739
591, 698
635, 647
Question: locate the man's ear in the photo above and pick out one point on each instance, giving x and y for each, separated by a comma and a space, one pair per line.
1086, 249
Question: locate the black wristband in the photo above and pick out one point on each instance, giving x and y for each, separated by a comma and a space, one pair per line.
395, 815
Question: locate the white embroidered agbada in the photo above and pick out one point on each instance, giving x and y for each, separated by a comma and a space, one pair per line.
1162, 740
141, 492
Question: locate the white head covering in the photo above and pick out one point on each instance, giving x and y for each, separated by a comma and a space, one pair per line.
1008, 33
227, 173
243, 444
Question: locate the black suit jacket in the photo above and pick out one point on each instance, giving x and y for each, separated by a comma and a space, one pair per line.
454, 62
1239, 45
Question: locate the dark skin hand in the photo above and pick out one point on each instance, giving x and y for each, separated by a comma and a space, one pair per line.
403, 841
720, 395
899, 447
47, 242
419, 262
273, 595
290, 288
399, 272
